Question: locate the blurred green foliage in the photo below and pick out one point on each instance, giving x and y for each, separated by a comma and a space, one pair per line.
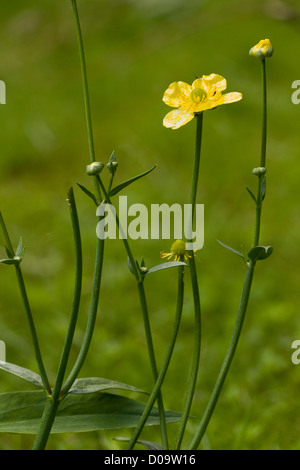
134, 50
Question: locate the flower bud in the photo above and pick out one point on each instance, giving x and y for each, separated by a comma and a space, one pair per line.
94, 168
261, 170
262, 49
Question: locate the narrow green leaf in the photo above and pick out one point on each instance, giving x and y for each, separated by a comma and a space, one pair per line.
170, 264
260, 252
91, 195
9, 253
251, 194
123, 185
25, 374
148, 444
13, 261
20, 249
97, 384
20, 412
231, 249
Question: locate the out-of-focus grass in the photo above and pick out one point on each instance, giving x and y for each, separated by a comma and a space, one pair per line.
134, 50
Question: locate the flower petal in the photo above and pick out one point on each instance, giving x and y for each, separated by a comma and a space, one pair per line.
215, 81
229, 98
177, 118
177, 94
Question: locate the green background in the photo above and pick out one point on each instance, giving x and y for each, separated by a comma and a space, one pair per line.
134, 50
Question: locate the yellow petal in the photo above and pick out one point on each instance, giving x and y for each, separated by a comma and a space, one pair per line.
215, 81
177, 118
230, 98
177, 94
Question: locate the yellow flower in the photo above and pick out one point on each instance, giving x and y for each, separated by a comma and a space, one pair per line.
178, 251
205, 93
262, 49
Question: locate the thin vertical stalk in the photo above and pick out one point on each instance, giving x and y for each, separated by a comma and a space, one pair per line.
84, 81
91, 318
166, 362
144, 308
28, 311
227, 360
53, 401
195, 289
246, 287
264, 119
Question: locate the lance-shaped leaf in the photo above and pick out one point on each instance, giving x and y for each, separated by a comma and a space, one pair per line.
20, 412
97, 384
231, 249
89, 194
25, 374
170, 264
126, 183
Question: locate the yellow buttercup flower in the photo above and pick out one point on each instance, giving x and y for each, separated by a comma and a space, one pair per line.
178, 250
204, 93
262, 49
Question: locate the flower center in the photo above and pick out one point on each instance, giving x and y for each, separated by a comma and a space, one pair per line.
198, 95
178, 247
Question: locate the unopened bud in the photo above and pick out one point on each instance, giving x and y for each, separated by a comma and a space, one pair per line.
262, 49
94, 168
261, 170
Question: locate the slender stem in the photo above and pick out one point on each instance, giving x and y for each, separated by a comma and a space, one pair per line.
151, 353
27, 308
165, 365
195, 289
246, 288
195, 177
227, 360
84, 81
91, 318
196, 355
76, 297
46, 424
264, 120
53, 401
144, 307
38, 355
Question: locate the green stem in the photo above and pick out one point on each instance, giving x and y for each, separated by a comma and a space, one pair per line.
151, 353
91, 318
46, 424
196, 355
264, 121
227, 360
27, 308
144, 308
246, 288
195, 289
165, 365
84, 82
53, 401
76, 297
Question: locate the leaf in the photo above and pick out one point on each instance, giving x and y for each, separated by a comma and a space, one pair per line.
25, 374
123, 185
20, 250
231, 249
169, 264
20, 412
91, 195
260, 252
96, 384
148, 444
13, 261
251, 194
